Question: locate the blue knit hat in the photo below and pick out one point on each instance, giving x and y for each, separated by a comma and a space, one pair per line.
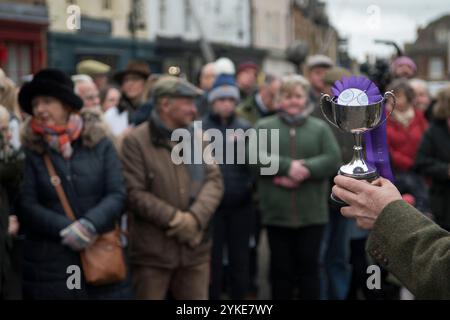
224, 87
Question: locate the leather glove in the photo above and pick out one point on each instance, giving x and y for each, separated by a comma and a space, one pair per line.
196, 240
176, 220
184, 227
79, 235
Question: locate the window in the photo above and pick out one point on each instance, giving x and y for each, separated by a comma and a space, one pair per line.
276, 28
107, 5
442, 35
436, 68
19, 60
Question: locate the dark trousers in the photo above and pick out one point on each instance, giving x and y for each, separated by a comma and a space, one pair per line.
294, 262
335, 257
358, 284
231, 232
255, 234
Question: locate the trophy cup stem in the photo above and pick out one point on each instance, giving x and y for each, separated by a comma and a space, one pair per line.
358, 149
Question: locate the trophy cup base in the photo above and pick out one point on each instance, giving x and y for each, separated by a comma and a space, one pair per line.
337, 203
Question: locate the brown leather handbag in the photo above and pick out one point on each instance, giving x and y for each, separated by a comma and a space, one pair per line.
103, 261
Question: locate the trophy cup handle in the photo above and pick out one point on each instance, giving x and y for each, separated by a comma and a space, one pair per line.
389, 94
326, 98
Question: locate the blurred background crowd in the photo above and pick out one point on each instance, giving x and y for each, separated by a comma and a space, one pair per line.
103, 99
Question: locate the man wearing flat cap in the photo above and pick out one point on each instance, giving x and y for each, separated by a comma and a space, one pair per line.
97, 70
169, 205
316, 68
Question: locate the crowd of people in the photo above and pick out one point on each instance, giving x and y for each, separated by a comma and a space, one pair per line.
193, 231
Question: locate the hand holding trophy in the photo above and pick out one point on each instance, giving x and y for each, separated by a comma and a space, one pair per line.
357, 107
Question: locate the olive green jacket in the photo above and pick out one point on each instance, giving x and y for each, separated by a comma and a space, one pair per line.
414, 249
306, 205
248, 110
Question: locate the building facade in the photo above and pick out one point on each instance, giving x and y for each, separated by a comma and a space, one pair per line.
111, 31
431, 50
311, 25
189, 33
23, 28
272, 31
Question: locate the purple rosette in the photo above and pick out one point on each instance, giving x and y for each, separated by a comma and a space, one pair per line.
358, 90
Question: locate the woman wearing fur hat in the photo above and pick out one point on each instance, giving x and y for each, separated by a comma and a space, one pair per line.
90, 173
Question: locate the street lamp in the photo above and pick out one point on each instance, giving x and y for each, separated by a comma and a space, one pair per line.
135, 22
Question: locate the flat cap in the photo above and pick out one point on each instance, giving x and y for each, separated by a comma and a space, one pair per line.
171, 86
92, 67
319, 60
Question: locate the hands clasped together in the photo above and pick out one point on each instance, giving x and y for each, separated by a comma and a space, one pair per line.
298, 173
79, 235
185, 228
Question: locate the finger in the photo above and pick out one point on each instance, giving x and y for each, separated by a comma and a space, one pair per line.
353, 185
345, 195
179, 227
348, 212
174, 222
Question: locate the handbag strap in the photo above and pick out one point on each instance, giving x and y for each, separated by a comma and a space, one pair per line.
56, 182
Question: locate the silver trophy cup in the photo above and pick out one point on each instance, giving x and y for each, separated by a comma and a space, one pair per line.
356, 120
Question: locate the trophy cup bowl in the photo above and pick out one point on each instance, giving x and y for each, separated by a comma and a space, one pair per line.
356, 120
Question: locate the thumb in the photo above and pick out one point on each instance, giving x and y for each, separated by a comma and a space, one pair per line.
175, 220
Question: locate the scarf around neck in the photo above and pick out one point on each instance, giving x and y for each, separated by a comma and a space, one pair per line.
196, 171
298, 119
60, 137
404, 117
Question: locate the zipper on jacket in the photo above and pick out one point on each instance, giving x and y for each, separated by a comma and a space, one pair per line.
293, 135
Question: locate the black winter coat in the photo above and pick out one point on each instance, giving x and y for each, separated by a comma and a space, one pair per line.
93, 182
238, 178
433, 161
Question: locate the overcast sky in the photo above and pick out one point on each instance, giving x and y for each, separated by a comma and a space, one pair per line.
398, 21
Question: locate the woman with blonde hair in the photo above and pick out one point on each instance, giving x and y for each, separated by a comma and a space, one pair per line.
294, 202
433, 159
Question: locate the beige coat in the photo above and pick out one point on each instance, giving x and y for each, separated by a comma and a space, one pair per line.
156, 189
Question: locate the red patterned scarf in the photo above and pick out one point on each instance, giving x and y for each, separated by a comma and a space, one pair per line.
60, 137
